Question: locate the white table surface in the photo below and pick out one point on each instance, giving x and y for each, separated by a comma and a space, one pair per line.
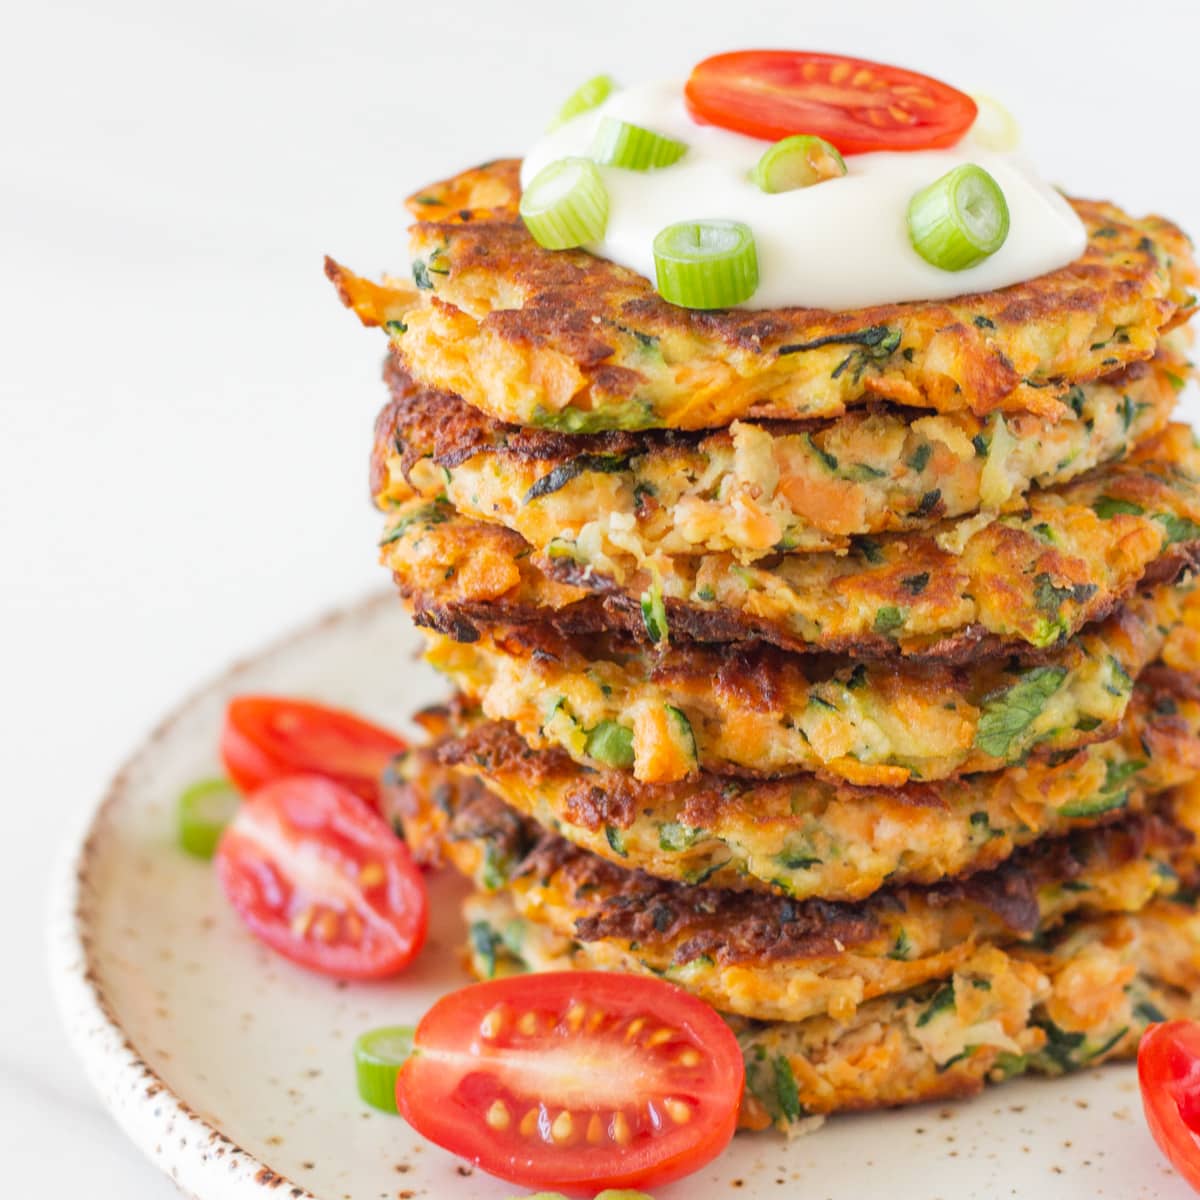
186, 408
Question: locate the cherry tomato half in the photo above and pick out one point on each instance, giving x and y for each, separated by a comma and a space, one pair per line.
323, 880
1169, 1074
857, 105
268, 737
575, 1081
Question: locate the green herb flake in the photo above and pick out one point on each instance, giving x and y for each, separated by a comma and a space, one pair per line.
485, 943
495, 869
887, 619
829, 460
560, 476
1144, 1010
786, 1091
870, 549
942, 1001
902, 946
1108, 507
1179, 529
929, 502
654, 615
1007, 714
920, 457
615, 839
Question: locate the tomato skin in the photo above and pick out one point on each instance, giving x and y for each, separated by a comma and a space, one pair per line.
451, 1084
321, 879
859, 106
270, 737
1169, 1076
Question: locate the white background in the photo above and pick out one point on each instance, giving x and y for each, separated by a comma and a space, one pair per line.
186, 409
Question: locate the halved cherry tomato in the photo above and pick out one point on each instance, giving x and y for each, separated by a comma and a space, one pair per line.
268, 737
320, 878
857, 105
575, 1081
1169, 1074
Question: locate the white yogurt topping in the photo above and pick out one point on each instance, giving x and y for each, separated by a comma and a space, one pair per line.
842, 243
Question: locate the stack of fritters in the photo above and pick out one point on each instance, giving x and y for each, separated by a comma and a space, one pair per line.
839, 667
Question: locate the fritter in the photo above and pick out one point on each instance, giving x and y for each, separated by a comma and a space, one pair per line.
757, 488
965, 589
563, 340
1082, 999
757, 711
772, 958
803, 837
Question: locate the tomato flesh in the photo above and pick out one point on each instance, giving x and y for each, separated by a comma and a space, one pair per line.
857, 105
269, 737
1169, 1075
324, 881
575, 1081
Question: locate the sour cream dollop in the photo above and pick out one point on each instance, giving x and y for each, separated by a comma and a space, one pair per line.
839, 244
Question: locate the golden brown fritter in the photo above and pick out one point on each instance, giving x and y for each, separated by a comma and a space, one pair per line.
970, 588
563, 340
773, 958
804, 837
1084, 998
755, 711
757, 488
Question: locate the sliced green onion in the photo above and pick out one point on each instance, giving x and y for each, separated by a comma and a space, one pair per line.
610, 743
706, 264
566, 204
995, 127
204, 810
959, 219
620, 144
378, 1056
584, 98
797, 162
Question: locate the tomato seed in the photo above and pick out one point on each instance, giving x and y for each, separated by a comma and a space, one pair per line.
301, 922
528, 1024
327, 925
498, 1116
659, 1036
688, 1058
563, 1128
372, 875
595, 1130
621, 1133
494, 1022
575, 1016
679, 1111
635, 1027
529, 1123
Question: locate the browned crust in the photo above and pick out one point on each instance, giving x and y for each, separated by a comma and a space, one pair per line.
424, 422
584, 308
574, 599
745, 927
594, 799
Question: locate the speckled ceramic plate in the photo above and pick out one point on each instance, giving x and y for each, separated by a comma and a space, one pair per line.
232, 1069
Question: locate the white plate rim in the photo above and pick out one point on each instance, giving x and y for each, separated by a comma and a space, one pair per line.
200, 1159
